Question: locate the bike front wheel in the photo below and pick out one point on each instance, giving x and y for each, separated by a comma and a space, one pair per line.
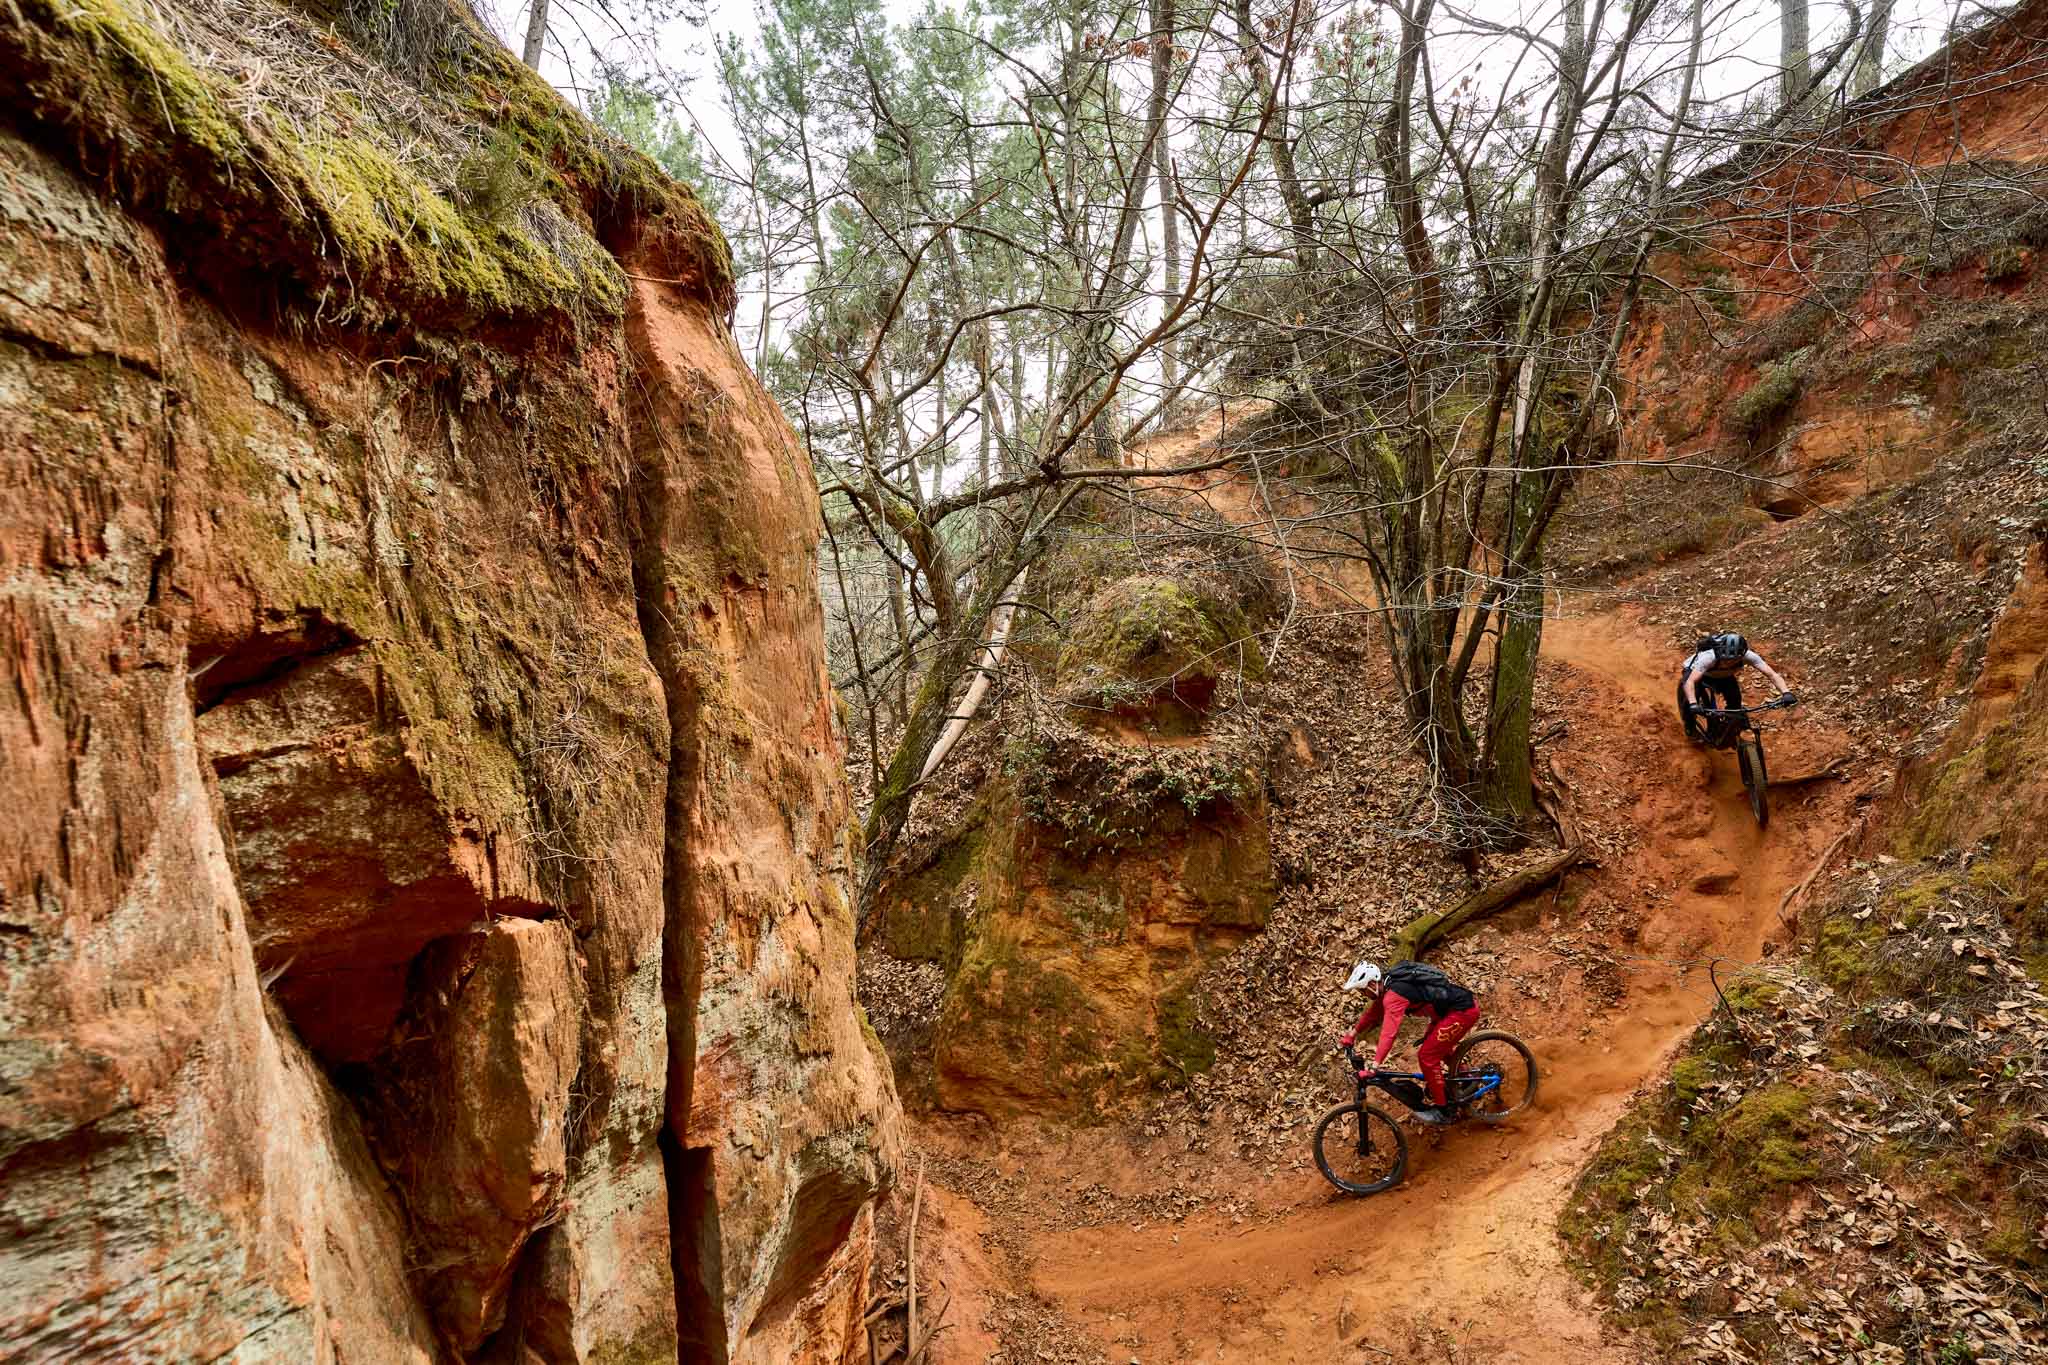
1360, 1150
1498, 1071
1750, 753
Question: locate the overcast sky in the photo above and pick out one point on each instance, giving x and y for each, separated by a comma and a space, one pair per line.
678, 54
681, 50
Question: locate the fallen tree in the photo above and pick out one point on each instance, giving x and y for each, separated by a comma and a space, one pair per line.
1426, 930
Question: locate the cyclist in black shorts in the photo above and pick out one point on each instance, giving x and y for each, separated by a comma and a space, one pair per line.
1713, 667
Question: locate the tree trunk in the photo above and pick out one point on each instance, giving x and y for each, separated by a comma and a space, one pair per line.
939, 441
1795, 59
985, 669
1164, 24
984, 432
1392, 148
1426, 930
1014, 463
1870, 55
869, 705
958, 650
1279, 141
899, 617
767, 283
1509, 791
536, 33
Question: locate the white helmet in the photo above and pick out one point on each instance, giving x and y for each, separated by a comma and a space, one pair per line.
1365, 974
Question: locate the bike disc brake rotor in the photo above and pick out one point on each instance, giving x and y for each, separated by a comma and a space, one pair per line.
1475, 1084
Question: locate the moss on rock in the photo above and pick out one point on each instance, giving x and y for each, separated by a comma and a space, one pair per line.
923, 915
1147, 644
1182, 1042
343, 197
1773, 395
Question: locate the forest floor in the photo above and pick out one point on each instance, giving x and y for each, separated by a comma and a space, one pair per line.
1136, 1242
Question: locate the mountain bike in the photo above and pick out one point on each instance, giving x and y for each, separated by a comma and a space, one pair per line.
1360, 1148
1734, 727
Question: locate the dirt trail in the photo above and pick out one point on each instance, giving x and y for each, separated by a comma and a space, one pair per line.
1463, 1260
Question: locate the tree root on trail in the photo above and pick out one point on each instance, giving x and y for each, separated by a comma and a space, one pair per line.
1792, 897
1554, 800
1827, 769
919, 1329
1426, 930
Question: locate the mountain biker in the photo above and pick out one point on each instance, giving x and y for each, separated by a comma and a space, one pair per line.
1451, 1010
1715, 664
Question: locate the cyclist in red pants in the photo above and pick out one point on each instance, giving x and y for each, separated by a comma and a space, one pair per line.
1452, 1012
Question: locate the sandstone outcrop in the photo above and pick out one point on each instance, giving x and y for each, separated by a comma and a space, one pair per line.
423, 885
1850, 334
1983, 788
1116, 848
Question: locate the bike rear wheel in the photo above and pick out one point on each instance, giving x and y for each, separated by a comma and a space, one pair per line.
1749, 752
1484, 1055
1360, 1150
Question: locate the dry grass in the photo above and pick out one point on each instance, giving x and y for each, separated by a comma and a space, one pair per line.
407, 34
283, 71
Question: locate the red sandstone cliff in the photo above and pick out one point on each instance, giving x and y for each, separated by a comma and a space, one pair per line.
423, 930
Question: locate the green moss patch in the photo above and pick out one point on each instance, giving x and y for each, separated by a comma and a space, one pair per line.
1148, 642
1776, 390
924, 909
1182, 1043
345, 183
1098, 795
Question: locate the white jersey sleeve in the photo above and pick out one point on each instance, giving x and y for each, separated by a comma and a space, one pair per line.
1704, 660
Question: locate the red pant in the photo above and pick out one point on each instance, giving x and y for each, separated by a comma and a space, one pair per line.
1436, 1047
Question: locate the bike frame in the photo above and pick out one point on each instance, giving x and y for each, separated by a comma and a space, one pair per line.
1375, 1079
1720, 739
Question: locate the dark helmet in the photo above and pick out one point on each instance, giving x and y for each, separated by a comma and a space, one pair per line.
1729, 647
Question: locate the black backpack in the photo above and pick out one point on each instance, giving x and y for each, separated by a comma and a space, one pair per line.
1422, 984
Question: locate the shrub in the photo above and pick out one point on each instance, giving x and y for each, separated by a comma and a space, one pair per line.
1720, 294
1770, 398
2004, 262
494, 182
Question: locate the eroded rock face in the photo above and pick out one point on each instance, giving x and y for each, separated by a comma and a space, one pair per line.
1983, 788
1115, 851
350, 863
422, 914
484, 1060
1076, 986
1851, 355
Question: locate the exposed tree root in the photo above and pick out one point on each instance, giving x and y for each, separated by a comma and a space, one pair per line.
1554, 800
1828, 769
1792, 897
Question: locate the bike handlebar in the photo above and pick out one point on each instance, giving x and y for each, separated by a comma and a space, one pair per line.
1358, 1067
1774, 704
